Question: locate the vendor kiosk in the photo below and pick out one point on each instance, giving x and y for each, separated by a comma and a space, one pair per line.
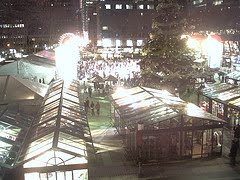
158, 126
221, 103
233, 78
57, 143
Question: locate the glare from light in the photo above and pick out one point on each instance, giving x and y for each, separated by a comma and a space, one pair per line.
67, 56
213, 49
193, 43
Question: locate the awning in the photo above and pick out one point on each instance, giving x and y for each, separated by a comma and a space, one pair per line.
151, 106
61, 127
13, 130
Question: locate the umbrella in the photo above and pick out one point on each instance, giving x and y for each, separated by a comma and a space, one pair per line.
111, 78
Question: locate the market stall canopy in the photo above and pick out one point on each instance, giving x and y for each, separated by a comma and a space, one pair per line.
150, 106
228, 95
97, 78
15, 89
13, 130
111, 78
212, 90
27, 68
235, 75
235, 103
60, 129
47, 54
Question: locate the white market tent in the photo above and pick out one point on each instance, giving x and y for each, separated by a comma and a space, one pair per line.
32, 68
56, 143
21, 95
15, 89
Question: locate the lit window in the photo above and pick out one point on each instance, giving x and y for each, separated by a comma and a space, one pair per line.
195, 2
118, 42
129, 43
104, 28
141, 6
95, 14
151, 6
106, 43
217, 2
129, 6
108, 6
118, 6
139, 42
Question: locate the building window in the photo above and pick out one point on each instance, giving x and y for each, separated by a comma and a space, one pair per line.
139, 42
129, 6
150, 6
140, 6
118, 6
196, 2
118, 43
217, 2
106, 43
108, 6
105, 28
129, 43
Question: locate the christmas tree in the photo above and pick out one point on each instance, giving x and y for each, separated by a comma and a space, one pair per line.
167, 60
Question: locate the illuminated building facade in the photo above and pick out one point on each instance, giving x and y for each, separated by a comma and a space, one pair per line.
222, 18
33, 26
123, 26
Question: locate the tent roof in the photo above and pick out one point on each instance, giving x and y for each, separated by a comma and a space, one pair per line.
15, 88
211, 90
13, 127
234, 75
60, 125
111, 78
152, 106
97, 78
47, 54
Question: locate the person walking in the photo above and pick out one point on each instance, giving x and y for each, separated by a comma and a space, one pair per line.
86, 105
92, 108
236, 130
90, 91
233, 151
97, 106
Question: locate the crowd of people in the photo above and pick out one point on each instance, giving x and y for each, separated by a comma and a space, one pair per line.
92, 106
124, 70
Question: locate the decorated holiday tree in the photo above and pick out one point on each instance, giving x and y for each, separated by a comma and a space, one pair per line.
167, 60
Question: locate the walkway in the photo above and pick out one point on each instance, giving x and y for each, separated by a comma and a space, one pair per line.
111, 163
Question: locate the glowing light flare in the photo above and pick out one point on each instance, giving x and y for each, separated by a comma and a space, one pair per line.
213, 49
67, 56
193, 43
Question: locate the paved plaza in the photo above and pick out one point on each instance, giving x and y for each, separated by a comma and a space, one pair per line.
111, 164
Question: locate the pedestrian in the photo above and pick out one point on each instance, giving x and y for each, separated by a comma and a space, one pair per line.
233, 151
236, 131
86, 105
90, 91
97, 106
92, 108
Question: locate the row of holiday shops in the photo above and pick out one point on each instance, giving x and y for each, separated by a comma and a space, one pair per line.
221, 100
158, 126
